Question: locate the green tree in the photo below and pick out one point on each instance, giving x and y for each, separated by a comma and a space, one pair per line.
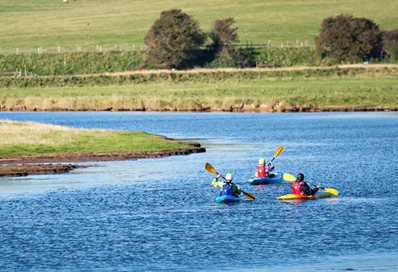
345, 38
174, 40
223, 50
223, 33
390, 41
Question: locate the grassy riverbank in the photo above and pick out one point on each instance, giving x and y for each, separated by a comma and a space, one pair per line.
226, 90
30, 139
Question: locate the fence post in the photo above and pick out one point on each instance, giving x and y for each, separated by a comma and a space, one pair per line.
59, 49
17, 50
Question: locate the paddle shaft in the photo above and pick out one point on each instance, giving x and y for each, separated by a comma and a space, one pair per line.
291, 178
278, 151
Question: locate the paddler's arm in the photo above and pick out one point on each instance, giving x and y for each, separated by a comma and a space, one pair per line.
236, 189
217, 183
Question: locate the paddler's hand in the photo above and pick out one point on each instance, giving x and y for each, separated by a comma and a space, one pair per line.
218, 176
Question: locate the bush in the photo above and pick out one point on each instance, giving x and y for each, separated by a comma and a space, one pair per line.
390, 40
223, 34
348, 39
174, 40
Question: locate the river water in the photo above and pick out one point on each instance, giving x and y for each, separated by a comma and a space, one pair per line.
160, 215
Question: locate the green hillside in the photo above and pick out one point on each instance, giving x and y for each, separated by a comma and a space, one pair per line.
87, 23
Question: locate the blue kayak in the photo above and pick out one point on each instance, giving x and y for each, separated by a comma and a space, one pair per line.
227, 199
274, 178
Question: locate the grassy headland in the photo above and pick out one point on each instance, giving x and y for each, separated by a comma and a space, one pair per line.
51, 23
30, 142
364, 87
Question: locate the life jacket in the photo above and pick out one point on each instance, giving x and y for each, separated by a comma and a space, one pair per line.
296, 187
226, 190
261, 172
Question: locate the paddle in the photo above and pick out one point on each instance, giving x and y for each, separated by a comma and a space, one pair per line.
212, 170
278, 151
291, 178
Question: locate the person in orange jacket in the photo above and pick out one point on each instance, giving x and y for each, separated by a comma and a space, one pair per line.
263, 170
300, 187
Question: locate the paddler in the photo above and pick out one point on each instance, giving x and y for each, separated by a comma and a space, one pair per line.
300, 187
263, 170
227, 187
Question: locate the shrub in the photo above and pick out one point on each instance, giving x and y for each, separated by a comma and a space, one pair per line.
345, 38
223, 33
390, 40
174, 39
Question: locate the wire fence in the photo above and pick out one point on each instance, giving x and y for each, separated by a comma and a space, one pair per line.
77, 48
139, 47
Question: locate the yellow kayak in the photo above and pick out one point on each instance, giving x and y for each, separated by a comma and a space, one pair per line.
319, 194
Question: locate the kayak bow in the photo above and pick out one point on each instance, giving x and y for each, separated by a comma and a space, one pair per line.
227, 199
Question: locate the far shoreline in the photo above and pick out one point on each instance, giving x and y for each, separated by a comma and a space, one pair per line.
343, 88
241, 108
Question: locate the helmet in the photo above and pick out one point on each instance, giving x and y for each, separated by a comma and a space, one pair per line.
300, 176
261, 161
228, 177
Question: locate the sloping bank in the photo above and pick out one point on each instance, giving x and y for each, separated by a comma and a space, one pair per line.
34, 148
340, 88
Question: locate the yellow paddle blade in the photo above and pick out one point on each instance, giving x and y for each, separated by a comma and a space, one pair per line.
210, 168
332, 191
289, 177
278, 151
249, 195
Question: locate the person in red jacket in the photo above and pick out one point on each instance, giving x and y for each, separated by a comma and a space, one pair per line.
300, 187
263, 170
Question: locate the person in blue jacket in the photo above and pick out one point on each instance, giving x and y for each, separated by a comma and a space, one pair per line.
227, 187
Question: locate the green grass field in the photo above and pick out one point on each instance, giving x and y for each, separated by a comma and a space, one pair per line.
35, 138
29, 24
364, 91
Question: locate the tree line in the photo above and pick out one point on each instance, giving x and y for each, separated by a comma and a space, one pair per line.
175, 40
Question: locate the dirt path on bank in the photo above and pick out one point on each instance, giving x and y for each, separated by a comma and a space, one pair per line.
213, 70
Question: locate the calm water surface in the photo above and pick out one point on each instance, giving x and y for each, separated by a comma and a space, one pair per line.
160, 215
